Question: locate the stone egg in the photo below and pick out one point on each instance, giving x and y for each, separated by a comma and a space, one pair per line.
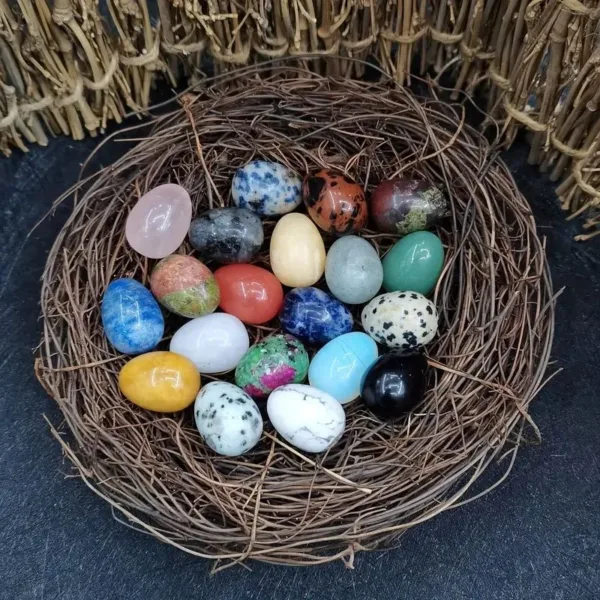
339, 366
394, 384
275, 361
404, 320
297, 251
266, 188
335, 202
251, 293
214, 343
160, 381
306, 417
185, 286
353, 271
414, 263
131, 317
227, 235
314, 316
405, 205
227, 418
159, 222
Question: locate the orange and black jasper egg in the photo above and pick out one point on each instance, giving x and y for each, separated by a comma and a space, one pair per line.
335, 202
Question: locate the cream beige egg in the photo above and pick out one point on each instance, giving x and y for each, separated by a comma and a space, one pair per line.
297, 251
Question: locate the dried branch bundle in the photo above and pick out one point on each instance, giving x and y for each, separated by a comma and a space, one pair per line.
275, 504
63, 69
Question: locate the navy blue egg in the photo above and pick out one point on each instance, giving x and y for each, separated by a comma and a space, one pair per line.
314, 316
131, 317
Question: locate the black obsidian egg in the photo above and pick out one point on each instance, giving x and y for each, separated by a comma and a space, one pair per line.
394, 384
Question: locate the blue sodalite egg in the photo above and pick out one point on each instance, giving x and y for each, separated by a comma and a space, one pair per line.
314, 316
266, 188
131, 317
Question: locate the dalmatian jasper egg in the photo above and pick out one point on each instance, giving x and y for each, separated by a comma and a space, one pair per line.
227, 418
403, 320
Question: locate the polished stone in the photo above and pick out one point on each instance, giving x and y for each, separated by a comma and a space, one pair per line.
159, 221
253, 294
402, 320
414, 263
185, 286
406, 205
339, 366
335, 202
214, 343
267, 188
131, 317
274, 361
297, 251
314, 316
394, 384
227, 418
306, 417
227, 235
160, 381
353, 271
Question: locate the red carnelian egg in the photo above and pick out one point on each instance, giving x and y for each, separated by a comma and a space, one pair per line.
335, 202
250, 293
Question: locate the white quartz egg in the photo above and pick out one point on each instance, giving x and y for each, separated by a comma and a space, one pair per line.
306, 417
214, 343
227, 418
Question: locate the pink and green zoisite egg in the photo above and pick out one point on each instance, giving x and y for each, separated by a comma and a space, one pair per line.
185, 286
275, 361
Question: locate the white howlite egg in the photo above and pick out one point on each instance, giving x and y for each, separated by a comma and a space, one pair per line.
404, 320
214, 343
308, 418
227, 418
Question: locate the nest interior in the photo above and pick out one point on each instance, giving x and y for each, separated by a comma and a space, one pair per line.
275, 504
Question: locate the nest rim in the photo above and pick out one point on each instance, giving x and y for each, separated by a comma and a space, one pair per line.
276, 504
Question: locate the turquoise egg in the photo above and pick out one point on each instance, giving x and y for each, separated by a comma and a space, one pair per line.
339, 366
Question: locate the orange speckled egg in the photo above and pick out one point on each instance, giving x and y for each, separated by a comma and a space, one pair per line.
335, 202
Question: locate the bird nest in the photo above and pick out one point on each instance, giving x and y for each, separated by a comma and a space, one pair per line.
275, 503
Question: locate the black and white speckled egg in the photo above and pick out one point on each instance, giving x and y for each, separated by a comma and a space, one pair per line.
403, 320
227, 418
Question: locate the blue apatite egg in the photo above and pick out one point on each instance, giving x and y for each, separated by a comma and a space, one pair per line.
131, 317
314, 316
339, 366
267, 188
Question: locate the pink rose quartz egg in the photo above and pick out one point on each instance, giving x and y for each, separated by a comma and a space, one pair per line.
159, 222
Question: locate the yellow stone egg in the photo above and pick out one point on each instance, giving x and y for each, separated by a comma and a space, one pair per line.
297, 251
160, 381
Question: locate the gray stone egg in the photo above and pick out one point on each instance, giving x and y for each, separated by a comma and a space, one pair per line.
353, 270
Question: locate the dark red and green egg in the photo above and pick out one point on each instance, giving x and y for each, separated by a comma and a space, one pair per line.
185, 286
403, 206
275, 361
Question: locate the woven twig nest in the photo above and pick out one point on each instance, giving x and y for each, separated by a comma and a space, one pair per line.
276, 504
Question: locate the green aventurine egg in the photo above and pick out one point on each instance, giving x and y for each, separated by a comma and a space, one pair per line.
414, 263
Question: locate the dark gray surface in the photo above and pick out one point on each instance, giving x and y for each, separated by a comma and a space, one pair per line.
536, 536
